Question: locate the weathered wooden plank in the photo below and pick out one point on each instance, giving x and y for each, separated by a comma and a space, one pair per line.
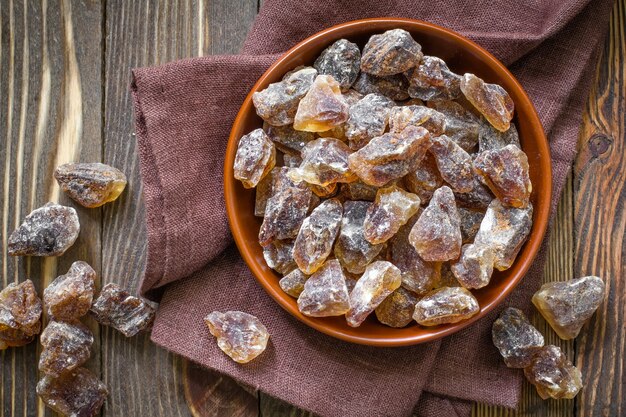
50, 101
143, 34
600, 224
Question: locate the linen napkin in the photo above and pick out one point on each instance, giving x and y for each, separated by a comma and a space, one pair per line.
184, 111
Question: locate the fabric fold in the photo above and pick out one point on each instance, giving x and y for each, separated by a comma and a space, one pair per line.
184, 111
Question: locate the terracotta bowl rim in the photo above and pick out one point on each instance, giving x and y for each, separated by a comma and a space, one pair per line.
540, 217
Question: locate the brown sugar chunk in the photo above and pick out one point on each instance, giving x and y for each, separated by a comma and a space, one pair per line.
516, 339
462, 126
278, 103
425, 179
491, 100
352, 249
20, 314
240, 335
278, 255
322, 108
470, 223
324, 191
504, 229
317, 235
358, 191
368, 119
352, 96
324, 162
391, 52
120, 310
393, 86
553, 374
325, 292
491, 139
392, 208
445, 305
418, 275
263, 192
287, 139
379, 280
455, 165
286, 209
293, 283
390, 156
478, 198
402, 116
568, 305
433, 80
78, 393
90, 184
474, 268
291, 161
436, 235
66, 346
69, 296
342, 60
255, 158
47, 231
505, 172
397, 309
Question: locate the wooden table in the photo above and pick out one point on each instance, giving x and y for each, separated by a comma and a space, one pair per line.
64, 77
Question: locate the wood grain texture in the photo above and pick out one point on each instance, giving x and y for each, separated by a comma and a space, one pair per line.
50, 113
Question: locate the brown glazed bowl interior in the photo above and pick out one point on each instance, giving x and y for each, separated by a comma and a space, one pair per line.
462, 56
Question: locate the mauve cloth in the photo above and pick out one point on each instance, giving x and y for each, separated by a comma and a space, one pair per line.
184, 111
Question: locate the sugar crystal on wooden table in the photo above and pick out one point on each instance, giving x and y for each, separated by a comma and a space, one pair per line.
66, 346
263, 192
568, 305
455, 165
342, 60
470, 223
78, 393
392, 208
20, 314
278, 103
352, 249
505, 229
368, 118
402, 116
286, 209
358, 191
433, 80
505, 172
240, 335
293, 282
322, 108
489, 99
393, 86
90, 184
324, 161
379, 280
279, 255
418, 275
462, 126
317, 235
69, 296
474, 268
491, 139
287, 139
397, 309
390, 156
127, 314
325, 292
425, 179
436, 235
389, 53
47, 231
445, 305
553, 374
255, 158
516, 339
